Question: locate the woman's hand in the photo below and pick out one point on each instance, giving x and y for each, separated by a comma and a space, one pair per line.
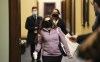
35, 53
73, 38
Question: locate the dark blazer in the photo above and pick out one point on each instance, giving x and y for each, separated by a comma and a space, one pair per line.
30, 26
82, 38
62, 25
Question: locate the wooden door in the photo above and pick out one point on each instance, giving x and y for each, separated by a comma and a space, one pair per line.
14, 30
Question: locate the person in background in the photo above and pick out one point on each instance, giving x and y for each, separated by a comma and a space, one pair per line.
91, 56
32, 25
90, 49
80, 38
49, 41
58, 21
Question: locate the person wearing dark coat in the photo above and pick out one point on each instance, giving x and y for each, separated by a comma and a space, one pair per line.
33, 25
58, 21
90, 49
80, 38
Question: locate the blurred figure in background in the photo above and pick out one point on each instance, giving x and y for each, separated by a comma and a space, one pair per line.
58, 21
81, 38
90, 49
32, 25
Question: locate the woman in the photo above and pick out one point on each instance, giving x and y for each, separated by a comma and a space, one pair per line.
49, 38
58, 21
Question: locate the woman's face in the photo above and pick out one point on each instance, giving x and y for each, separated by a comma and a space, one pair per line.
55, 12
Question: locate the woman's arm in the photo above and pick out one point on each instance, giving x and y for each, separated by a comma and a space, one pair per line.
63, 40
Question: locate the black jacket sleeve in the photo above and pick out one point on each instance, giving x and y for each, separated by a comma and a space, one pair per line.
82, 38
62, 25
28, 25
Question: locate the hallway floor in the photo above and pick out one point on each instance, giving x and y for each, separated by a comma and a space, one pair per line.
27, 58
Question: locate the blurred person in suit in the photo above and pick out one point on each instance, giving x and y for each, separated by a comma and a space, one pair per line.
33, 25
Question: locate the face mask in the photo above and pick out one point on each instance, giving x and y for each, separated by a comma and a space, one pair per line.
55, 15
47, 23
34, 12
